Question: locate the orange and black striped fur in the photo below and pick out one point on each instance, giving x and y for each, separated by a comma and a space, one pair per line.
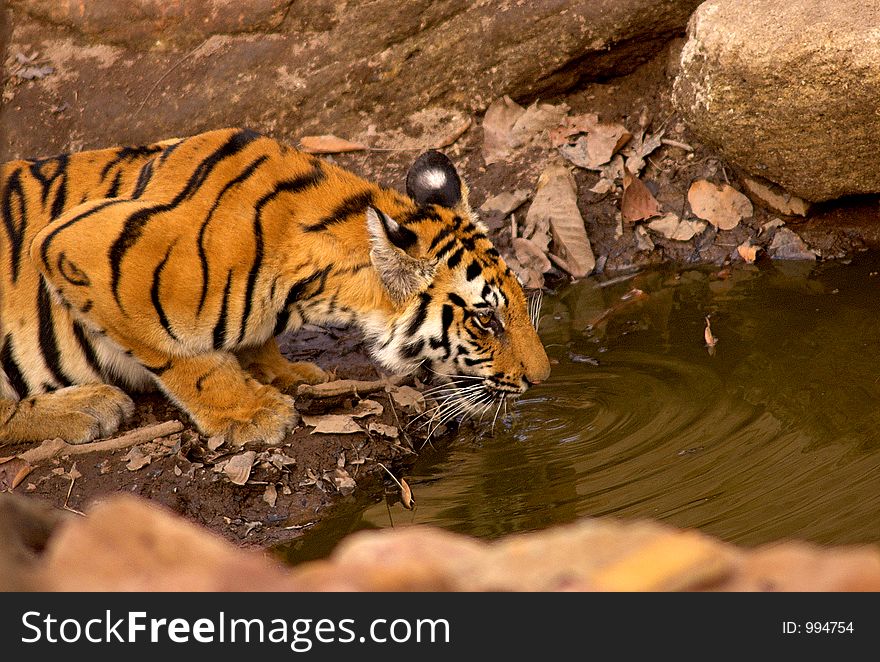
174, 265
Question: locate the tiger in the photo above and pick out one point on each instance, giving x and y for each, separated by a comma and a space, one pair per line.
175, 265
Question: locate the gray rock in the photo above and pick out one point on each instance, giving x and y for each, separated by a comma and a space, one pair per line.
133, 71
787, 90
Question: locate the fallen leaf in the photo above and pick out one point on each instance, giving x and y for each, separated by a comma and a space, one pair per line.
408, 399
332, 424
720, 204
772, 224
594, 149
748, 251
711, 340
638, 149
672, 227
637, 202
507, 126
498, 207
787, 245
367, 408
34, 73
384, 430
455, 132
13, 470
406, 495
238, 467
270, 495
137, 459
498, 123
328, 144
643, 240
603, 186
572, 126
530, 256
775, 197
528, 277
344, 483
215, 442
555, 207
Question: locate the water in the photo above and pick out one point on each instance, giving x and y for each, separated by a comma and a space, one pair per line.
775, 435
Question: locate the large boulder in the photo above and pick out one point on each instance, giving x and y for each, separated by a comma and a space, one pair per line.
129, 71
787, 90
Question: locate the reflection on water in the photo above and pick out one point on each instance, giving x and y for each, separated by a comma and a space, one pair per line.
775, 435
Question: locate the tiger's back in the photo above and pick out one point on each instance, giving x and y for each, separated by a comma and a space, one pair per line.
174, 265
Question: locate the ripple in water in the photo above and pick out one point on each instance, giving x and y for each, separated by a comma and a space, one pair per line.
775, 435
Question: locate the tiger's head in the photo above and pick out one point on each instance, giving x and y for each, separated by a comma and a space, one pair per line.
460, 312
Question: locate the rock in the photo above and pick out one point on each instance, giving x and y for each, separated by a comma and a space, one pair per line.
786, 91
137, 70
786, 245
774, 197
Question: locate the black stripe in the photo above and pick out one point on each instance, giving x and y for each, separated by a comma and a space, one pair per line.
220, 326
155, 296
447, 246
411, 350
455, 258
71, 273
44, 247
48, 341
143, 179
203, 257
355, 204
168, 150
474, 269
418, 215
13, 197
113, 191
420, 315
128, 154
440, 236
297, 292
446, 318
88, 351
457, 300
10, 367
134, 224
472, 362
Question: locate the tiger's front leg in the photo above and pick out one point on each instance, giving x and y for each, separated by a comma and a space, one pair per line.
267, 365
223, 400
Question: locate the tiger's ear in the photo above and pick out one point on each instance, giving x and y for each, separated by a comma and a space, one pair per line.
393, 250
432, 179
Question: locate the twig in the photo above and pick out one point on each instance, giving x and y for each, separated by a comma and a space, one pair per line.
348, 387
56, 447
167, 71
512, 226
676, 143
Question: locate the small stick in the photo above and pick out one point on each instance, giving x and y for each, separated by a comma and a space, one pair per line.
675, 143
513, 226
348, 387
56, 447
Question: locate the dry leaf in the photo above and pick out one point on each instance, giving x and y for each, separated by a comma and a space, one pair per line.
637, 150
34, 73
406, 495
775, 197
772, 224
238, 467
748, 251
595, 149
384, 430
643, 240
497, 208
498, 123
332, 424
787, 245
342, 480
270, 495
572, 126
555, 206
13, 470
215, 442
367, 408
528, 277
637, 202
408, 399
507, 126
137, 459
328, 144
711, 340
530, 256
455, 132
672, 227
720, 204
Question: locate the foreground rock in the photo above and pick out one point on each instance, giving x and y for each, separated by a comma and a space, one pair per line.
787, 91
137, 70
130, 544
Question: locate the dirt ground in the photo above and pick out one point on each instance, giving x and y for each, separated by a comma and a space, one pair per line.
293, 486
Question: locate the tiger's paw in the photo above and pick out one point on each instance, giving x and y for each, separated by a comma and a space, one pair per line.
266, 418
76, 414
299, 373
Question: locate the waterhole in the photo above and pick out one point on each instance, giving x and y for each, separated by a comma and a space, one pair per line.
773, 433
